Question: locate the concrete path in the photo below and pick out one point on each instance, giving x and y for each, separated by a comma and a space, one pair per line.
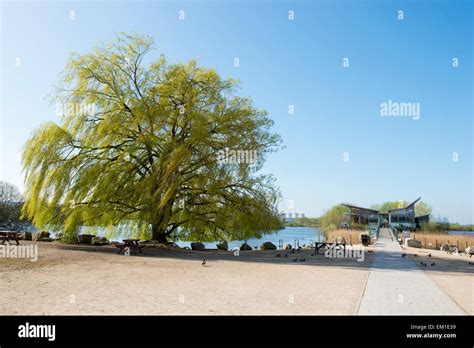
397, 286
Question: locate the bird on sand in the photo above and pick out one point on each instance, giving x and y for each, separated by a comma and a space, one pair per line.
203, 263
429, 255
415, 255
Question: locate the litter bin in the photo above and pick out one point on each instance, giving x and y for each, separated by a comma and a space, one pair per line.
364, 239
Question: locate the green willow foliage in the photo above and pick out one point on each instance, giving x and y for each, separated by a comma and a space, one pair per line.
144, 159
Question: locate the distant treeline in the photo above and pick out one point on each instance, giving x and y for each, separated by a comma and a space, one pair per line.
11, 204
459, 227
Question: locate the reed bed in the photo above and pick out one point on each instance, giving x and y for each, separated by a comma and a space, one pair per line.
435, 240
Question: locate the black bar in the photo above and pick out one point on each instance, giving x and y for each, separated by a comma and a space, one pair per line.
224, 330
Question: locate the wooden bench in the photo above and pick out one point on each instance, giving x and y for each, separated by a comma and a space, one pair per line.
7, 236
319, 245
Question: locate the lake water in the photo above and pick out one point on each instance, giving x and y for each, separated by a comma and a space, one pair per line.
288, 235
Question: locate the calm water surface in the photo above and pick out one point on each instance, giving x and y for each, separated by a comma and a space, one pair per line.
288, 235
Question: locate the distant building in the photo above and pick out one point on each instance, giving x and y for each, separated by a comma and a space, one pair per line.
404, 217
290, 216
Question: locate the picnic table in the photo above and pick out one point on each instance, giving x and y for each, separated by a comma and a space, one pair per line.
7, 236
132, 244
319, 245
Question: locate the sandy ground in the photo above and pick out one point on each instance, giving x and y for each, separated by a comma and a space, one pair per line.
96, 280
453, 274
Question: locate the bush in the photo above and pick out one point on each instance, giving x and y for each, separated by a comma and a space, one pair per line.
334, 217
439, 225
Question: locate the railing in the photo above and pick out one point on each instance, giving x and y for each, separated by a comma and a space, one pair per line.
393, 231
280, 244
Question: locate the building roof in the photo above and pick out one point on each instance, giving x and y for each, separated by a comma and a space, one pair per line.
408, 206
380, 212
360, 208
422, 216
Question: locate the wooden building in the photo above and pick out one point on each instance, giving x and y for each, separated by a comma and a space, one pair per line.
403, 217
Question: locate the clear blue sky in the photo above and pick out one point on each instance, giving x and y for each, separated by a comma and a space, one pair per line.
283, 63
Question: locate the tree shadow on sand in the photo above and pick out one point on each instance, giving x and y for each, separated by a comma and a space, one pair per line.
393, 261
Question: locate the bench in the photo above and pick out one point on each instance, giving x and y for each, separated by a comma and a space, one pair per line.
7, 236
319, 245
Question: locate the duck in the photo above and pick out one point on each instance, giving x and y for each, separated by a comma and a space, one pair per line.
203, 263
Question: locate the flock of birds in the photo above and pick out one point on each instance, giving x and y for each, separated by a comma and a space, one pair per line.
424, 264
203, 263
293, 252
432, 264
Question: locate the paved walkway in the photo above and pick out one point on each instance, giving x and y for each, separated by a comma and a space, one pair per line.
396, 285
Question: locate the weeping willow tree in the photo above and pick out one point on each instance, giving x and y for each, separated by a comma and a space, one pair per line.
152, 148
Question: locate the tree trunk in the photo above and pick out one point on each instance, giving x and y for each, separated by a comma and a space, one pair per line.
158, 234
